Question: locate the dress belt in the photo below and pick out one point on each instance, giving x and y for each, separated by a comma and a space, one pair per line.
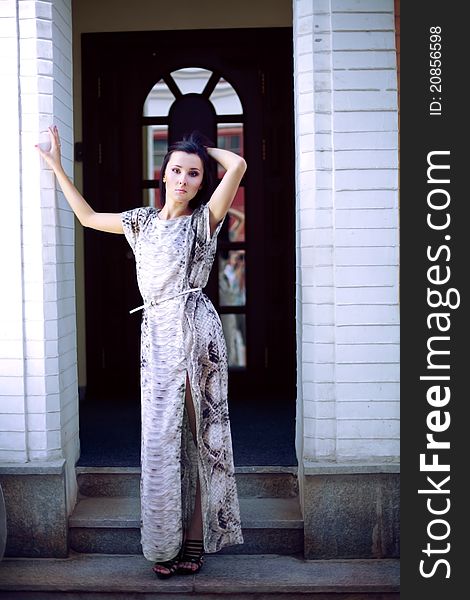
154, 302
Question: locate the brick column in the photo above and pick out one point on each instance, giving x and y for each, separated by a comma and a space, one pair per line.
38, 375
347, 276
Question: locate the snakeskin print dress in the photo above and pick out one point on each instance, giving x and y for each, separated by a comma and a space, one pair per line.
181, 334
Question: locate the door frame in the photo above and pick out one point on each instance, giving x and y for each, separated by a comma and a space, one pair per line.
98, 50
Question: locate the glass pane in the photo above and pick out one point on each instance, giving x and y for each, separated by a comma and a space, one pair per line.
230, 137
225, 99
232, 278
236, 217
155, 146
151, 197
192, 79
234, 327
159, 100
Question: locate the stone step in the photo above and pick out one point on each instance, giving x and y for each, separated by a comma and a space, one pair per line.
111, 525
261, 482
233, 577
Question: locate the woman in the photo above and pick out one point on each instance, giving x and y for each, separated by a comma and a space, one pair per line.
189, 502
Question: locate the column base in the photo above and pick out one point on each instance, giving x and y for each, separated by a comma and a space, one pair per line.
351, 510
36, 509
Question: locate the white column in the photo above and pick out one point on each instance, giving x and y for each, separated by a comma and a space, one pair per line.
347, 229
40, 368
13, 442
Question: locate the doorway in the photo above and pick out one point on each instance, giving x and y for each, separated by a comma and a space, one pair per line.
141, 91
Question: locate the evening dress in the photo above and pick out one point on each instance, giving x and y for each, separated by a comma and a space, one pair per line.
181, 333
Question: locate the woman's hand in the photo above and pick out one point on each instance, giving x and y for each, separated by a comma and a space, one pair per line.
52, 155
110, 222
224, 194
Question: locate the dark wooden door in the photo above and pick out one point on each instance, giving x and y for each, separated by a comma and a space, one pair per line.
120, 70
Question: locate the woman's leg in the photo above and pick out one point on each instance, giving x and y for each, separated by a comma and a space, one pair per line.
194, 531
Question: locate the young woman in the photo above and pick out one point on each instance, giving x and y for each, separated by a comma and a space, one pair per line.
189, 502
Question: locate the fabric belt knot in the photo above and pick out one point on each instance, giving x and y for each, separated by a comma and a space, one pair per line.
154, 302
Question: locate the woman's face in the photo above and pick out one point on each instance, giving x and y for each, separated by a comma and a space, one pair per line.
183, 176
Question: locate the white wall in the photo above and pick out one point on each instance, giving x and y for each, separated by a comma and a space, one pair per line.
38, 360
347, 228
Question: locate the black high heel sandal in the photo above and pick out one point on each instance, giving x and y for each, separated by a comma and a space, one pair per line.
171, 565
192, 552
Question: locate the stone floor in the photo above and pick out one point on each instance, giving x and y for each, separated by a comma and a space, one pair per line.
263, 433
228, 576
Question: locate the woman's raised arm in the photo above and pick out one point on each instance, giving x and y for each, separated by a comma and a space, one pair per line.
224, 194
110, 222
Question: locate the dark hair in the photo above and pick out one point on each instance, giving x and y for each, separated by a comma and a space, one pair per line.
194, 143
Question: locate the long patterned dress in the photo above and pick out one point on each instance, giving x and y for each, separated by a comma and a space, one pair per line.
181, 333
